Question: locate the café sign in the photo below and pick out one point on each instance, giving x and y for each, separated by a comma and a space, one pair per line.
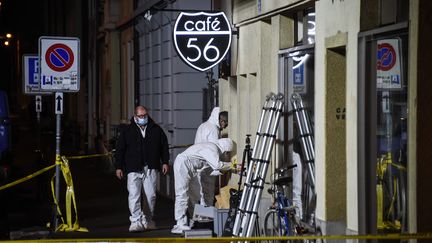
202, 39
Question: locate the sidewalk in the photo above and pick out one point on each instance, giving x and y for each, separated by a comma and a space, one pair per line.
103, 208
101, 197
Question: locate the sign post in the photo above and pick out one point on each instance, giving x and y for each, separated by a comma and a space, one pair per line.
31, 86
38, 105
31, 67
59, 72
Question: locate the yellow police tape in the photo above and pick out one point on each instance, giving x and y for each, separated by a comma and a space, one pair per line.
70, 194
89, 156
417, 236
70, 198
181, 146
27, 177
37, 173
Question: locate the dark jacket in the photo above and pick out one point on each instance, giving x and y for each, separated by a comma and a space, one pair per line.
133, 151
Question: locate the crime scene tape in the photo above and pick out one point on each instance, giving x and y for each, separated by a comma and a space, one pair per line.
41, 171
414, 236
181, 146
89, 156
70, 194
27, 177
70, 198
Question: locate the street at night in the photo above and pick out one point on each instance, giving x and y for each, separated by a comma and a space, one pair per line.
215, 120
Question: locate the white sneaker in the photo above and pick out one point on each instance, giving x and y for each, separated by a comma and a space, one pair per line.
150, 225
179, 229
136, 227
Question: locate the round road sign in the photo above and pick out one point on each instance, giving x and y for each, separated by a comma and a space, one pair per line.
386, 57
59, 57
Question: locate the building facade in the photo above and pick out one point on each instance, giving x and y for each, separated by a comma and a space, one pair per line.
355, 64
138, 65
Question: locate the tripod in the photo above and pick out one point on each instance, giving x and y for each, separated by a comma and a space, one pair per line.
235, 195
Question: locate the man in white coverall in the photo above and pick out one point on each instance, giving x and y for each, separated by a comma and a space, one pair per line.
186, 167
208, 131
141, 152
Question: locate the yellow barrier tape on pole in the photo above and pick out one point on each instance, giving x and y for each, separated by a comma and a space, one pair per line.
70, 198
59, 214
27, 177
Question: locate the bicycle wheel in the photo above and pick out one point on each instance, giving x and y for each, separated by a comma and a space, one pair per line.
274, 225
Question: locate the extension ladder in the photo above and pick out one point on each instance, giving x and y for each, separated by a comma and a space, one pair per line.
247, 213
305, 130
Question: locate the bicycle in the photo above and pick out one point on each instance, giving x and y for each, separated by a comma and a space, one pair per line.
282, 218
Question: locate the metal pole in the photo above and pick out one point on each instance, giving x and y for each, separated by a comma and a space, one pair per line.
38, 118
57, 175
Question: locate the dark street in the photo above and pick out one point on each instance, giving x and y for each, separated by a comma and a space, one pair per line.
330, 97
101, 197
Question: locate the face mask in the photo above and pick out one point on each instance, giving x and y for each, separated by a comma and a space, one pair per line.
142, 121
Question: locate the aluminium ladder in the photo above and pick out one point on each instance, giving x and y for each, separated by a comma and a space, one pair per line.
247, 213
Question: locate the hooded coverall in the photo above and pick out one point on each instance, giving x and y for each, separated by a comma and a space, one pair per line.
186, 167
203, 191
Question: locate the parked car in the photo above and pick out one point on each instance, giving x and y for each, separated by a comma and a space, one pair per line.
5, 161
5, 138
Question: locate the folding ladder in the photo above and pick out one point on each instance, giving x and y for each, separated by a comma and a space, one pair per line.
246, 217
306, 137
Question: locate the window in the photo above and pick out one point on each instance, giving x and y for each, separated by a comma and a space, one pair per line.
305, 27
383, 123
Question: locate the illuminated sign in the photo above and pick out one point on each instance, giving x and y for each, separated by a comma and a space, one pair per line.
202, 39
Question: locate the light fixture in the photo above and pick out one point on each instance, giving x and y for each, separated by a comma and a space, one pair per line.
6, 39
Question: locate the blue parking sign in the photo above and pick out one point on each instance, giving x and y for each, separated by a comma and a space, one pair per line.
31, 75
33, 70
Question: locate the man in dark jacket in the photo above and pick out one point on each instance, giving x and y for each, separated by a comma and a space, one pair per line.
141, 150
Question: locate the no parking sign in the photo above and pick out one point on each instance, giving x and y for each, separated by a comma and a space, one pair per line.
389, 65
59, 64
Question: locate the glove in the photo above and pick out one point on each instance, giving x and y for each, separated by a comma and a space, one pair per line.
225, 167
234, 164
216, 173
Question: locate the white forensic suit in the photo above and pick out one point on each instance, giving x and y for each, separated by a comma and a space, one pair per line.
203, 188
297, 184
186, 167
